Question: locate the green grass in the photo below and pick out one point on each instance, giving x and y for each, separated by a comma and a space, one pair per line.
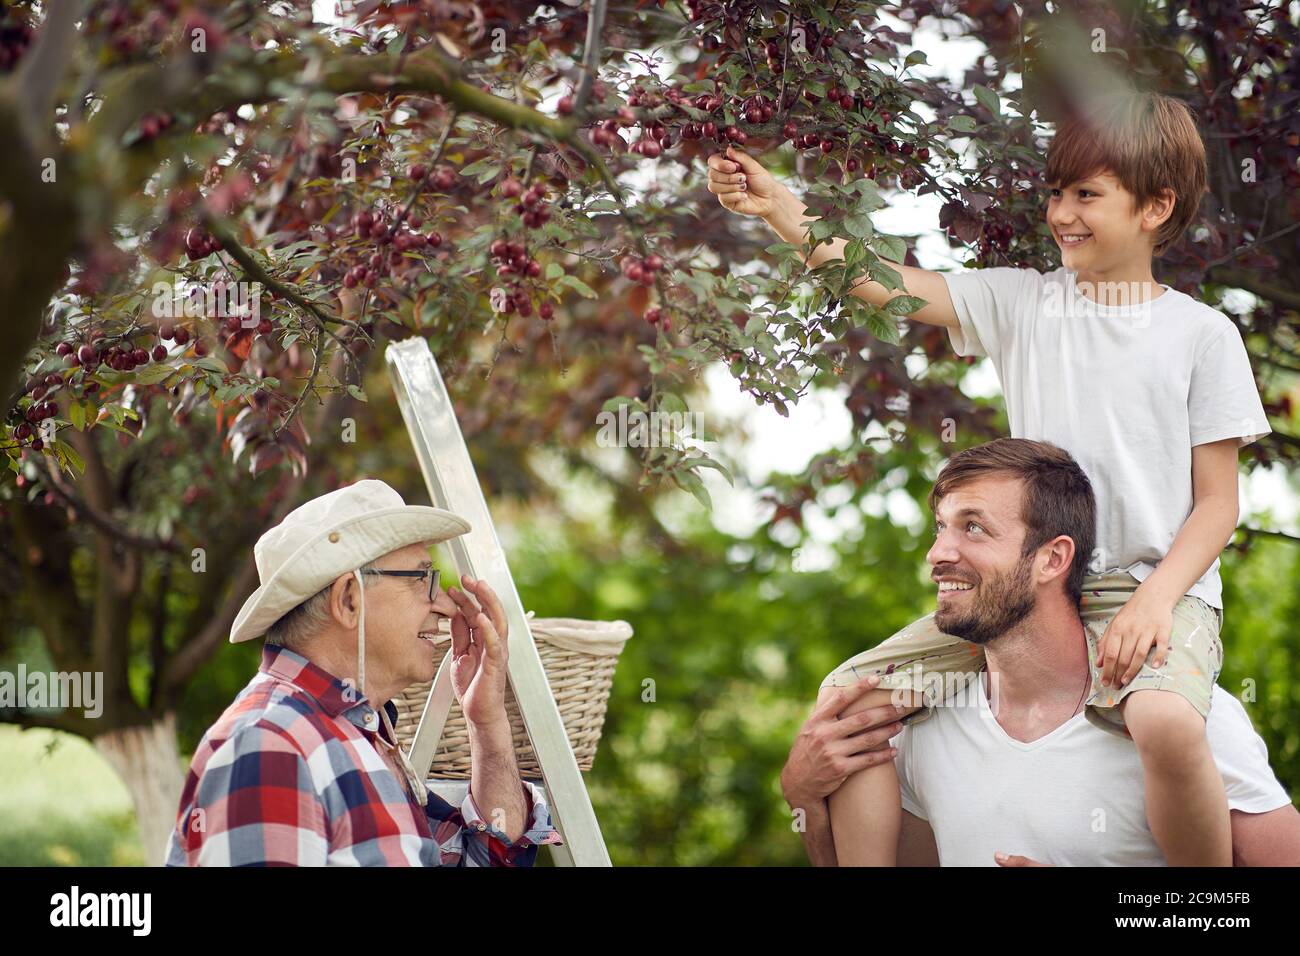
61, 804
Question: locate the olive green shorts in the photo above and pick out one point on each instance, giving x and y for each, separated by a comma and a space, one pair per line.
942, 668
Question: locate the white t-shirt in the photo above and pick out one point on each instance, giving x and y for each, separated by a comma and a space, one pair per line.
1074, 797
1126, 391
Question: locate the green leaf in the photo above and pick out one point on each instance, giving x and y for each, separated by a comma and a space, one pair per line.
782, 249
69, 453
671, 403
882, 327
858, 226
704, 462
210, 364
688, 480
891, 247
612, 404
578, 286
885, 275
356, 393
77, 416
988, 99
554, 270
153, 374
821, 229
961, 123
904, 304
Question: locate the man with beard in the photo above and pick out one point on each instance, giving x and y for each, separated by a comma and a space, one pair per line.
996, 730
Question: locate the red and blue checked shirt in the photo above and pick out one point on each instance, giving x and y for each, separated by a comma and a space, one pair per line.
290, 775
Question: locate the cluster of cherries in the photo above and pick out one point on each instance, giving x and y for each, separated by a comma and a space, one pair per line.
511, 258
531, 206
641, 271
41, 407
369, 225
655, 316
199, 244
442, 179
996, 234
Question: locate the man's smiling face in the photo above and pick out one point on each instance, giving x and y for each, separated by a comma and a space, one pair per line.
985, 583
401, 622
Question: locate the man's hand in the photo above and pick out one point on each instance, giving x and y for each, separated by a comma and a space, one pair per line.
478, 646
829, 749
1004, 859
1140, 623
742, 184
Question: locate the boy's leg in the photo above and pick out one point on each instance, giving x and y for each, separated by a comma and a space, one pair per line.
916, 666
1164, 710
867, 809
1187, 806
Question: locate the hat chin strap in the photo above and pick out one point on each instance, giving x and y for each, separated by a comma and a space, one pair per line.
417, 787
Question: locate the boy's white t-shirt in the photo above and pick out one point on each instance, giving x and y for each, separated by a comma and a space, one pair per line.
1074, 797
1127, 391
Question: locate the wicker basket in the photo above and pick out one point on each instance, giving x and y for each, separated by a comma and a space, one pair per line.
578, 657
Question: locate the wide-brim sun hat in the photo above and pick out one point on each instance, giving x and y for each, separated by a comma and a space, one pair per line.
330, 536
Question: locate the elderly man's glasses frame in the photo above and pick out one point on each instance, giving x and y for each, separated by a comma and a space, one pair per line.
433, 574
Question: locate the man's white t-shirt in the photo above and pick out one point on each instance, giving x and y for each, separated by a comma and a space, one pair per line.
1126, 391
1074, 797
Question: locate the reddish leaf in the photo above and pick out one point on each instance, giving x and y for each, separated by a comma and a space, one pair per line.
239, 344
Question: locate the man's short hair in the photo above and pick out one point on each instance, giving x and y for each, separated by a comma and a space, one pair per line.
1149, 142
1057, 498
296, 627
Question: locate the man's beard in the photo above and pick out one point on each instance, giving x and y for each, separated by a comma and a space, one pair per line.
999, 605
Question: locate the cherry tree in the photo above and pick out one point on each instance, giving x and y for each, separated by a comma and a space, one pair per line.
213, 216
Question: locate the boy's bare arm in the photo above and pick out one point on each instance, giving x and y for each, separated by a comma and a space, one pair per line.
1146, 619
742, 185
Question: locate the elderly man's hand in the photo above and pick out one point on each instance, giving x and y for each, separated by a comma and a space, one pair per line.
478, 646
829, 748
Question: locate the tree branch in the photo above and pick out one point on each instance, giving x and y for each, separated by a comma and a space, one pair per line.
42, 69
97, 519
590, 54
191, 656
1244, 279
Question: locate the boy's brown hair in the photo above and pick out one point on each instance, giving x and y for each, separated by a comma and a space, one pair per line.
1149, 142
1057, 498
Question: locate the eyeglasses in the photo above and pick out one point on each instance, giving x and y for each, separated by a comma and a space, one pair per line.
433, 575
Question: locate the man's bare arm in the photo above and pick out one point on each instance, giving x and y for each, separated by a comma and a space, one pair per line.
825, 752
818, 842
1266, 839
916, 845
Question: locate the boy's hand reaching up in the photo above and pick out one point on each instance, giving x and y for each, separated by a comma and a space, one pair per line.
742, 184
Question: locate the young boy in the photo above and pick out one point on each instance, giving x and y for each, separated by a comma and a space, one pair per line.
1151, 391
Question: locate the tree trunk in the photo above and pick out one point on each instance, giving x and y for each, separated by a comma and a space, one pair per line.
146, 758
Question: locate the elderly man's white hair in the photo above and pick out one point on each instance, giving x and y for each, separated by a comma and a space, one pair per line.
296, 628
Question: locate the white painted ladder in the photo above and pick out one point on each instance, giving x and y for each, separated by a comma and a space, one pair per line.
449, 474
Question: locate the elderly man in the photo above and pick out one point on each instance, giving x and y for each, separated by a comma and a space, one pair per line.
303, 768
1012, 772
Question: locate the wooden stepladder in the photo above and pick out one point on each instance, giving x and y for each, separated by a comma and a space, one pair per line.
449, 475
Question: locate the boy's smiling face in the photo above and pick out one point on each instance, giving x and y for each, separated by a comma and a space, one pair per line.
1098, 226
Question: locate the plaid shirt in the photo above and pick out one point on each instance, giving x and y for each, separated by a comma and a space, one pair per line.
290, 775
